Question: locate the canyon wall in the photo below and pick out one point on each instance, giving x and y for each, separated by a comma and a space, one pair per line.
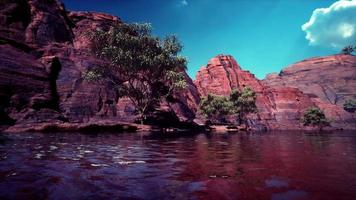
331, 78
44, 49
281, 103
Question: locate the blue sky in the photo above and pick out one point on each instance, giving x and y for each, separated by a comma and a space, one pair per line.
263, 35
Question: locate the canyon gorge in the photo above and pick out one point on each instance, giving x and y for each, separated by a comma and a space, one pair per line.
45, 49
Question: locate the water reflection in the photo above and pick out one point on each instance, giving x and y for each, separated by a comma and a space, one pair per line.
274, 165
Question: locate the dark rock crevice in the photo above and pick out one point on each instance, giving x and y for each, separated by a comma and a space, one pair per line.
55, 68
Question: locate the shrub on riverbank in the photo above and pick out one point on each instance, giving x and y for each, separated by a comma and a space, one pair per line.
239, 104
314, 116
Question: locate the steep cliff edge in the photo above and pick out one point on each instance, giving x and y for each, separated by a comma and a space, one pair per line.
44, 51
280, 106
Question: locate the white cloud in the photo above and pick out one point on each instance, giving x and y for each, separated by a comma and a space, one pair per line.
184, 2
334, 26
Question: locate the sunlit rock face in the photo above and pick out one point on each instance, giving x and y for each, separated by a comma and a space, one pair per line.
280, 105
222, 75
331, 78
330, 81
44, 51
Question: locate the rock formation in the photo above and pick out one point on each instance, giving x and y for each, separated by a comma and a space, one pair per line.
222, 75
331, 78
280, 105
44, 51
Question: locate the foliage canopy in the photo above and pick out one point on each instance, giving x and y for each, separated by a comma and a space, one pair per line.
244, 103
348, 50
141, 66
239, 103
313, 116
216, 107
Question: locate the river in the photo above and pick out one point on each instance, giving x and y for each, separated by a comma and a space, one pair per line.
271, 165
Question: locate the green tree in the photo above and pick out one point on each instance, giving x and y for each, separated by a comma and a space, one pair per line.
216, 107
313, 116
350, 105
244, 102
141, 67
348, 50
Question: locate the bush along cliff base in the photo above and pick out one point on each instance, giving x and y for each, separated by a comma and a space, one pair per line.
314, 116
220, 109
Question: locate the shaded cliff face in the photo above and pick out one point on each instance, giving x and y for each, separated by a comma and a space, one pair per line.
29, 76
279, 105
34, 22
44, 51
331, 78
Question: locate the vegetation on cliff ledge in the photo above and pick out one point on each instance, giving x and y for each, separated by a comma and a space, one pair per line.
141, 66
348, 50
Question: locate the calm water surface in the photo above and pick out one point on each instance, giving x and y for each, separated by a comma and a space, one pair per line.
277, 165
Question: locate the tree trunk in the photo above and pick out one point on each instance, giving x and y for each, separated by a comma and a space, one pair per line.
143, 118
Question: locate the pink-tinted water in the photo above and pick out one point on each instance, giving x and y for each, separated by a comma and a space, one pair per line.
274, 165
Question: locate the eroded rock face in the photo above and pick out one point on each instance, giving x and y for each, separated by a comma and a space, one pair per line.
87, 21
331, 78
34, 22
222, 75
280, 106
44, 52
329, 81
24, 83
15, 16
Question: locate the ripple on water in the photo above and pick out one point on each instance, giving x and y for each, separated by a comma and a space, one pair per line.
190, 168
131, 162
99, 165
276, 182
52, 147
290, 195
39, 155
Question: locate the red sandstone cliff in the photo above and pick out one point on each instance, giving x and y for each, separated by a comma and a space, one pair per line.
280, 105
331, 78
222, 75
44, 50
